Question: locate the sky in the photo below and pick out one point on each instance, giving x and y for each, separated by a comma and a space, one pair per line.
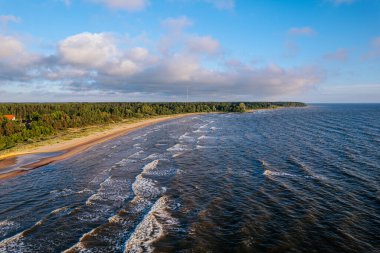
197, 50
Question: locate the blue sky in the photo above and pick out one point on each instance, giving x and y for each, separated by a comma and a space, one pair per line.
220, 50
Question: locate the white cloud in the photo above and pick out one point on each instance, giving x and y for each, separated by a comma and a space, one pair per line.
301, 31
203, 44
10, 47
129, 5
89, 62
88, 49
138, 54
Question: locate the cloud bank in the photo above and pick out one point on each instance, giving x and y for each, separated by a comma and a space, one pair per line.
103, 63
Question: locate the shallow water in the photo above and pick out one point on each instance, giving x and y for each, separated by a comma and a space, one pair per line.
289, 180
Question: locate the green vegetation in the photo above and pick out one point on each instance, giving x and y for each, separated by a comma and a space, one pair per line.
37, 121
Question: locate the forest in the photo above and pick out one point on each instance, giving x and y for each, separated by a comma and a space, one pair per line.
36, 121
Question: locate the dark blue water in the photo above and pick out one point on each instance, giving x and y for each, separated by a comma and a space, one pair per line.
289, 180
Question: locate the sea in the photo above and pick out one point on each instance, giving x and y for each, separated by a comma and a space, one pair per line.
287, 180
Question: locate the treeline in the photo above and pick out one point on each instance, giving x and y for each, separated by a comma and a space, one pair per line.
38, 120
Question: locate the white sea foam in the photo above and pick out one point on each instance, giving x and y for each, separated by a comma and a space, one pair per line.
199, 131
204, 137
177, 147
16, 243
61, 193
204, 147
7, 226
276, 173
152, 156
13, 244
146, 187
177, 154
283, 174
186, 137
124, 162
112, 189
59, 210
151, 228
150, 166
137, 154
100, 177
84, 191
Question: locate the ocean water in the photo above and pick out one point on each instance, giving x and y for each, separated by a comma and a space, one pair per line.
288, 180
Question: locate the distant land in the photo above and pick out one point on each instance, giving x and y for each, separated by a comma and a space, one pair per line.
58, 131
30, 123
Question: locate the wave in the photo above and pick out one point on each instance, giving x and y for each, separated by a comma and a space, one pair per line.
150, 166
146, 187
199, 131
119, 225
137, 154
276, 173
62, 193
186, 137
204, 137
176, 155
284, 174
151, 228
8, 226
123, 162
112, 189
205, 147
177, 147
152, 156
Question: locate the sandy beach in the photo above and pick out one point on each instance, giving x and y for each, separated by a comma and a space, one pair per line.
72, 147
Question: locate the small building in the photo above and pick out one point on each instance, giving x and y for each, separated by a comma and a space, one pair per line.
10, 116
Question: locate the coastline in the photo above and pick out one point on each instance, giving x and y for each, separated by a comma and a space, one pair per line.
69, 148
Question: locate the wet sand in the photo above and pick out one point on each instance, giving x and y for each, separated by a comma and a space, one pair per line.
74, 146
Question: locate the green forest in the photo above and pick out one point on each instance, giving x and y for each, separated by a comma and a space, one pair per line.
35, 121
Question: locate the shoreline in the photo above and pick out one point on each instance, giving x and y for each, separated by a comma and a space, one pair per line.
74, 146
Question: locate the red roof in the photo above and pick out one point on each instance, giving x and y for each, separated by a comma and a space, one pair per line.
10, 116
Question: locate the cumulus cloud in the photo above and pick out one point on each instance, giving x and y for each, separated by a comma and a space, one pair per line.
10, 47
129, 5
340, 54
89, 62
16, 63
203, 44
301, 31
88, 49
